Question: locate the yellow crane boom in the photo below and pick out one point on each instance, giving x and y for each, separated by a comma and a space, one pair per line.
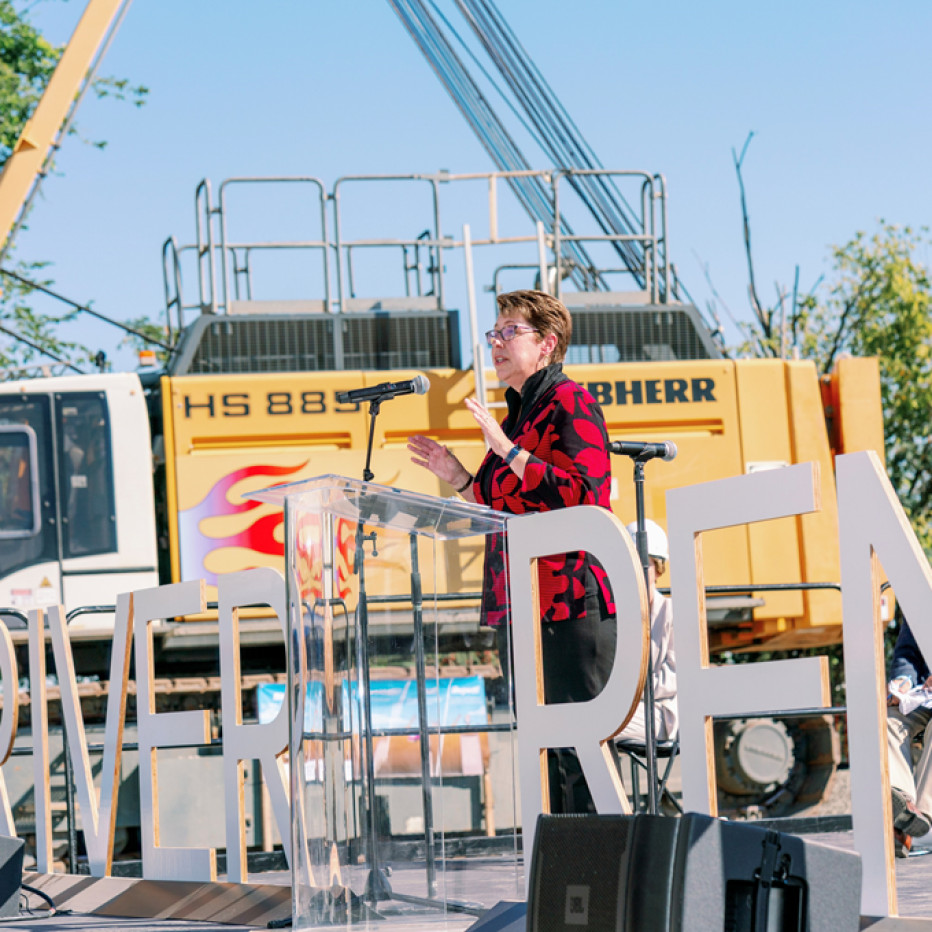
39, 136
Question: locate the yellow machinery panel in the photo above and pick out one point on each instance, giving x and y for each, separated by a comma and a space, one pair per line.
694, 405
227, 435
230, 435
818, 533
766, 444
860, 414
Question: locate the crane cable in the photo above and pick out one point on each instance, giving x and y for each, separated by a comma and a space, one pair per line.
556, 133
531, 191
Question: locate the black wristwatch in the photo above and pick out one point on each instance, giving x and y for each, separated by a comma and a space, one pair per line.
469, 482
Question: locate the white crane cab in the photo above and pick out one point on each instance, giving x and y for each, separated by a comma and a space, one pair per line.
77, 515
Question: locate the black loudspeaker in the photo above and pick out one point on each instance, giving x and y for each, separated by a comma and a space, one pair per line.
694, 874
11, 874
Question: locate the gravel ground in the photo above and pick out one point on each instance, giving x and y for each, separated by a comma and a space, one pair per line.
838, 800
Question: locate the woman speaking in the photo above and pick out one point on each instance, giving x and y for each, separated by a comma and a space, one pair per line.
550, 452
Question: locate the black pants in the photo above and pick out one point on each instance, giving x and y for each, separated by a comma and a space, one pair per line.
577, 660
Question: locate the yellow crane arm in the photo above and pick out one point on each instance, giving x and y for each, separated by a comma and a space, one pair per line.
32, 148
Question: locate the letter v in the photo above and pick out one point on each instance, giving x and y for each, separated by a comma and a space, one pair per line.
98, 821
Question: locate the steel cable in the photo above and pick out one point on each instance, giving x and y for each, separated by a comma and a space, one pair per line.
531, 192
556, 132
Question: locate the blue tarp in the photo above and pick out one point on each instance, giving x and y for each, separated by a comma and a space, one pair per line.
461, 701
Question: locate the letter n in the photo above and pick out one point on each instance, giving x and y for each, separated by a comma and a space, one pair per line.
874, 529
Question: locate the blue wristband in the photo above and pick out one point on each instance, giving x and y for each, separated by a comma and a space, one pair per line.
512, 453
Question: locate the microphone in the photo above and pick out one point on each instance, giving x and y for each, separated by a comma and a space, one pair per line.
644, 451
416, 386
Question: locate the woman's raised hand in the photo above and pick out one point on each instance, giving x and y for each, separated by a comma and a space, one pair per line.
494, 435
438, 459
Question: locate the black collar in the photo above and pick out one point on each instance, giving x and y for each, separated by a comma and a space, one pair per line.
532, 391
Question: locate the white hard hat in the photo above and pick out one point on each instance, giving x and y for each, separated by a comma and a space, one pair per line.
657, 546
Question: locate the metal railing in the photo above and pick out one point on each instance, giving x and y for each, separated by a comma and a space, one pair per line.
212, 246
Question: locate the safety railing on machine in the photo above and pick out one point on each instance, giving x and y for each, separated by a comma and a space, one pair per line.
644, 251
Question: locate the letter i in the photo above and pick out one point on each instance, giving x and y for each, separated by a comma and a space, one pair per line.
40, 741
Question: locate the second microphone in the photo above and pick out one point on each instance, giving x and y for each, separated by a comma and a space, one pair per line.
640, 450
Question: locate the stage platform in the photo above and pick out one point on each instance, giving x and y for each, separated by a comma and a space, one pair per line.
471, 880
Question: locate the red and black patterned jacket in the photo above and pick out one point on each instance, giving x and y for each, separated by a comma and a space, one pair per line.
560, 424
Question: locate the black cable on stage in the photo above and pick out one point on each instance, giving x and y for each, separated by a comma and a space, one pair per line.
52, 910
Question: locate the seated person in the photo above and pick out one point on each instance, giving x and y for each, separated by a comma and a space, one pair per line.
912, 792
663, 657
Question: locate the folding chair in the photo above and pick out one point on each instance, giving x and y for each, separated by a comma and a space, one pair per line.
637, 755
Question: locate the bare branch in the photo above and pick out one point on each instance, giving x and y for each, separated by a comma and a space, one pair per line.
780, 308
708, 277
763, 317
850, 304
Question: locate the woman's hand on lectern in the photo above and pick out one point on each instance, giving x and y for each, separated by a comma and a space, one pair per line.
438, 459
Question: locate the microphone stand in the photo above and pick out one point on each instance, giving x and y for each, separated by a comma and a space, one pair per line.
650, 739
374, 406
377, 886
640, 453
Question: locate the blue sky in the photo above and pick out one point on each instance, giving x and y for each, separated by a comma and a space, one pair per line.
837, 94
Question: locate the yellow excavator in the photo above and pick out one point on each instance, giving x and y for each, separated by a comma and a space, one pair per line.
248, 397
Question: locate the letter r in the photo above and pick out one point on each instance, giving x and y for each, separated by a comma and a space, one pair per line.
585, 726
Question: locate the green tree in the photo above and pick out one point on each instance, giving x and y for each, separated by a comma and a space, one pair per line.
44, 346
875, 301
27, 61
878, 302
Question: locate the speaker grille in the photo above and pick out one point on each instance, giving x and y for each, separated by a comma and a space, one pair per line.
297, 344
11, 874
635, 335
379, 341
576, 873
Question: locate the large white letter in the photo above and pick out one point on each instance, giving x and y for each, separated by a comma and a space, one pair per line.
264, 743
585, 726
40, 741
704, 690
166, 730
98, 822
872, 525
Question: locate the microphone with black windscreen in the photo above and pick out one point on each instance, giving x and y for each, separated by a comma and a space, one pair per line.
642, 451
416, 386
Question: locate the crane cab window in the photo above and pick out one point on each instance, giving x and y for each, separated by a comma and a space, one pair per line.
19, 483
30, 416
85, 475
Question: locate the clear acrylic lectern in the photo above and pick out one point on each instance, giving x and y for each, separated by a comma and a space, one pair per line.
402, 741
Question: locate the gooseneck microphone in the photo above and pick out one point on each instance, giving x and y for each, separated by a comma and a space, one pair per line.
644, 451
416, 386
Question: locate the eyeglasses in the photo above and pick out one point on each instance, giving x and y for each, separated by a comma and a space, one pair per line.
508, 333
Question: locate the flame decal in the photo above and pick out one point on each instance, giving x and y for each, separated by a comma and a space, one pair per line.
311, 560
196, 546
